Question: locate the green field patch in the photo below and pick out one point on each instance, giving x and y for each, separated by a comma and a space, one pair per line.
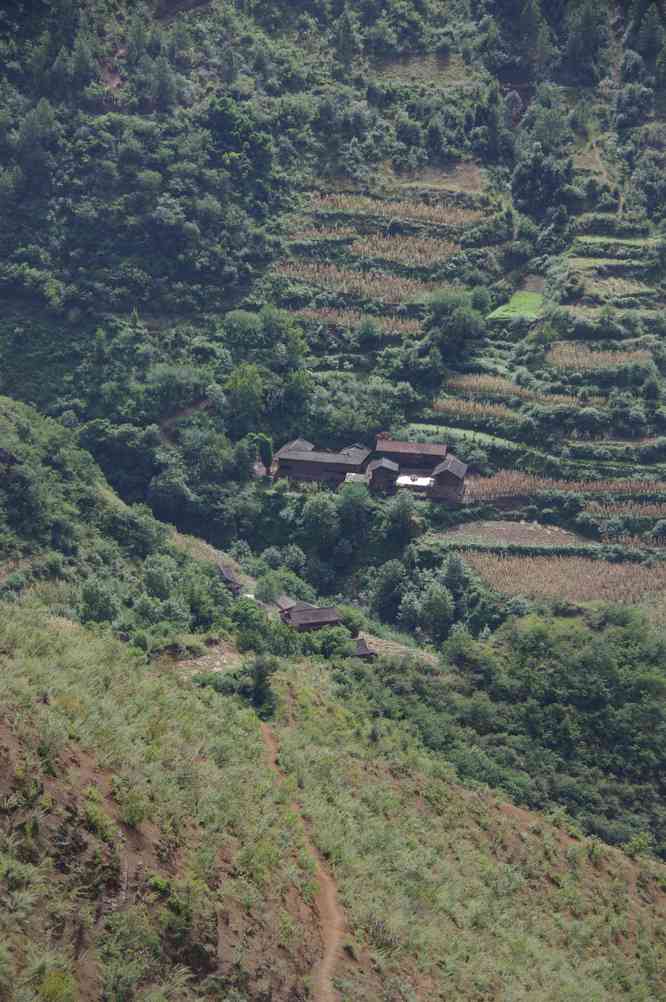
527, 305
595, 238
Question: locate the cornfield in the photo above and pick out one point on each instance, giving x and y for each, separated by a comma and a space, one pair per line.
513, 483
486, 386
567, 355
323, 233
348, 319
413, 211
457, 407
574, 579
369, 285
634, 509
415, 252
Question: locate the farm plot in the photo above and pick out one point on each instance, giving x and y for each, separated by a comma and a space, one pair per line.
580, 358
513, 483
412, 252
456, 407
380, 286
523, 304
572, 579
346, 320
510, 533
487, 387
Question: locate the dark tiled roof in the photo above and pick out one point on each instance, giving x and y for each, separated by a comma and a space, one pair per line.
298, 445
411, 448
383, 464
304, 614
451, 465
355, 458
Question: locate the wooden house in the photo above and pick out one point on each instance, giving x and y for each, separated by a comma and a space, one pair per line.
411, 455
322, 467
449, 477
383, 474
304, 617
298, 445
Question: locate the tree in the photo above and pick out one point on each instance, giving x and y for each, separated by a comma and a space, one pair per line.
265, 447
165, 88
437, 611
539, 181
387, 590
348, 39
320, 521
245, 394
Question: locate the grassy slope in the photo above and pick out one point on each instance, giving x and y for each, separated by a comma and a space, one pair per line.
211, 876
456, 894
446, 891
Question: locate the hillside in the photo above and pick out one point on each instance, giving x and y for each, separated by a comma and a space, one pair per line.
332, 500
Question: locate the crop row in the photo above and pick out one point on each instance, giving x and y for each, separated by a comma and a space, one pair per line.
568, 355
416, 252
407, 209
322, 233
351, 319
376, 285
573, 579
620, 509
513, 483
487, 386
461, 408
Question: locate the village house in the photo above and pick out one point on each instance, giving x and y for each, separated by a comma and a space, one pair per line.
323, 467
383, 474
304, 617
363, 651
421, 456
449, 477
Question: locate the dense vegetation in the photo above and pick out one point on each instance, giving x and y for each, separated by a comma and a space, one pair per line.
227, 225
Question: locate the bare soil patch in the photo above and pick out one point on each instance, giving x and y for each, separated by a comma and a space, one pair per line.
517, 533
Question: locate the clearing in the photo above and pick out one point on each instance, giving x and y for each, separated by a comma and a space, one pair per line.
510, 533
522, 304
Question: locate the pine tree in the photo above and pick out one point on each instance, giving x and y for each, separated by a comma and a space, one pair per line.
650, 34
660, 69
348, 40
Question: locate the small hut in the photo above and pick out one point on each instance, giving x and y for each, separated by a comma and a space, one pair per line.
304, 617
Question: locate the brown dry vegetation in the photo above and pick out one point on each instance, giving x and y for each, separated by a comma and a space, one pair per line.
487, 386
456, 407
612, 509
567, 355
347, 319
573, 579
514, 483
415, 252
322, 233
370, 285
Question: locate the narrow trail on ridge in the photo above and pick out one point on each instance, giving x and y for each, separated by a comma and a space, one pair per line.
331, 917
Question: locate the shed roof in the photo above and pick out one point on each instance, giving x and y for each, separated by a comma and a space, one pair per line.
383, 464
362, 649
451, 465
229, 575
411, 448
298, 445
303, 614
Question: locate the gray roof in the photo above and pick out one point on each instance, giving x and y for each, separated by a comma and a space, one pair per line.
453, 466
352, 458
362, 649
303, 613
383, 464
298, 445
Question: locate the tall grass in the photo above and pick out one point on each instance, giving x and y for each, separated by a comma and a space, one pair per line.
407, 209
580, 358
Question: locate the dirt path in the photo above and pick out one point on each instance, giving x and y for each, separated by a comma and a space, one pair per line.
331, 916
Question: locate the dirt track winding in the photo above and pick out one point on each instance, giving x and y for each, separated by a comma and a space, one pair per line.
331, 916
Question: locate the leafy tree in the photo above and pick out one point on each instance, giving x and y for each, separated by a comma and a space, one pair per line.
387, 590
244, 389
